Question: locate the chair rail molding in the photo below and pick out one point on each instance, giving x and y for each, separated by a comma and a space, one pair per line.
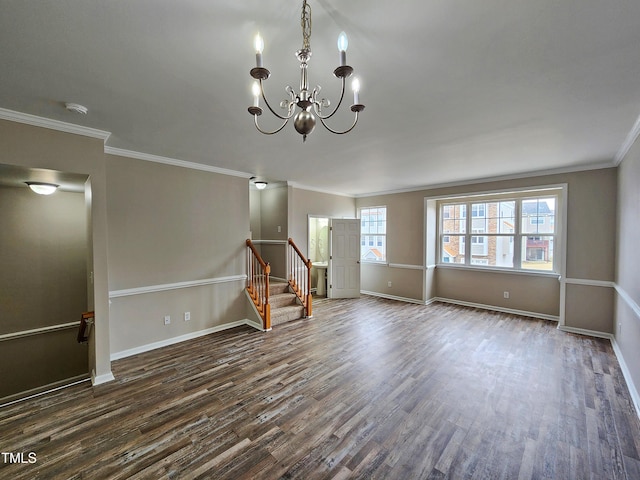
175, 286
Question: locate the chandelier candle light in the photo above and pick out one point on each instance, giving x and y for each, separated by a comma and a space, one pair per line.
304, 120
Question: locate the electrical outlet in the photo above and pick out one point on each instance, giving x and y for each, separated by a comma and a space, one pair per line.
167, 319
389, 283
506, 294
619, 328
187, 316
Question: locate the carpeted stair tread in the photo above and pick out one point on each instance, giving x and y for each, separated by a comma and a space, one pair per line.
286, 314
282, 300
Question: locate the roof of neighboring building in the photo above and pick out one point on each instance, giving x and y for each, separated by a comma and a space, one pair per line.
375, 251
450, 251
532, 208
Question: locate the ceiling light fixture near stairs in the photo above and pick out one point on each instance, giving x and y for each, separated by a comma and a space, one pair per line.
305, 120
42, 188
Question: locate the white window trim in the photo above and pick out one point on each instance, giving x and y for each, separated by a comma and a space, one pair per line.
559, 236
385, 235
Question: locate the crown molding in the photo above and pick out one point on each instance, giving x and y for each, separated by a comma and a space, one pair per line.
632, 136
36, 121
120, 152
319, 190
479, 181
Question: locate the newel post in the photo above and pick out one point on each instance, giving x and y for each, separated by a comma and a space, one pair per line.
309, 310
267, 306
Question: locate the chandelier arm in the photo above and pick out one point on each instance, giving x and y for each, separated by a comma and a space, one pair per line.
255, 118
315, 103
322, 120
290, 110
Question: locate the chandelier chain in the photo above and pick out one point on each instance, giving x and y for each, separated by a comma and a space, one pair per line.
305, 22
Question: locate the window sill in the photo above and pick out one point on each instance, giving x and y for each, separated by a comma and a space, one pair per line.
478, 268
370, 262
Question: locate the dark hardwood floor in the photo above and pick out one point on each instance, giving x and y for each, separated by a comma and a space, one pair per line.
368, 388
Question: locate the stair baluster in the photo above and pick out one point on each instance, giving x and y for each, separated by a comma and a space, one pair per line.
258, 283
300, 276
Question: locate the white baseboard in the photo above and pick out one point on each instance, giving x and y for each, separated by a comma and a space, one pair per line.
100, 379
392, 297
38, 392
255, 325
584, 331
626, 373
524, 313
182, 338
633, 390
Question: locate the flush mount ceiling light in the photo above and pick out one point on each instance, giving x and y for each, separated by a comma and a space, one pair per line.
260, 185
42, 188
305, 120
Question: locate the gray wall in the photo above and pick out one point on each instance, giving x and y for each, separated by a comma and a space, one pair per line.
255, 203
627, 299
43, 271
36, 147
307, 202
591, 211
274, 215
289, 208
169, 225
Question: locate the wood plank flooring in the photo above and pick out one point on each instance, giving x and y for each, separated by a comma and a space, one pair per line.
368, 388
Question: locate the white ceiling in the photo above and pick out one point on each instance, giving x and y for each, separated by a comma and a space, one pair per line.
455, 90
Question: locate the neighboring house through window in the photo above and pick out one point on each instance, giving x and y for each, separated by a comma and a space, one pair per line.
516, 230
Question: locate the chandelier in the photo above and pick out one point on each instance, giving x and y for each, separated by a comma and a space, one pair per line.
307, 101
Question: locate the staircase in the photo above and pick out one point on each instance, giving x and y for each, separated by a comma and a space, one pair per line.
279, 302
284, 304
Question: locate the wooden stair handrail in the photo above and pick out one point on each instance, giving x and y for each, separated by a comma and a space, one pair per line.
296, 249
255, 253
300, 286
258, 283
86, 320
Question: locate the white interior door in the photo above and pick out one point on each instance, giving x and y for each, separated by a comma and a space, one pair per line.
344, 259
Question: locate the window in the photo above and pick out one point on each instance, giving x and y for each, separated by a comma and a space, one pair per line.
516, 230
373, 231
453, 225
477, 209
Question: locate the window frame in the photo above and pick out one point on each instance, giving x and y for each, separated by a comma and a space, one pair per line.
517, 236
375, 237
